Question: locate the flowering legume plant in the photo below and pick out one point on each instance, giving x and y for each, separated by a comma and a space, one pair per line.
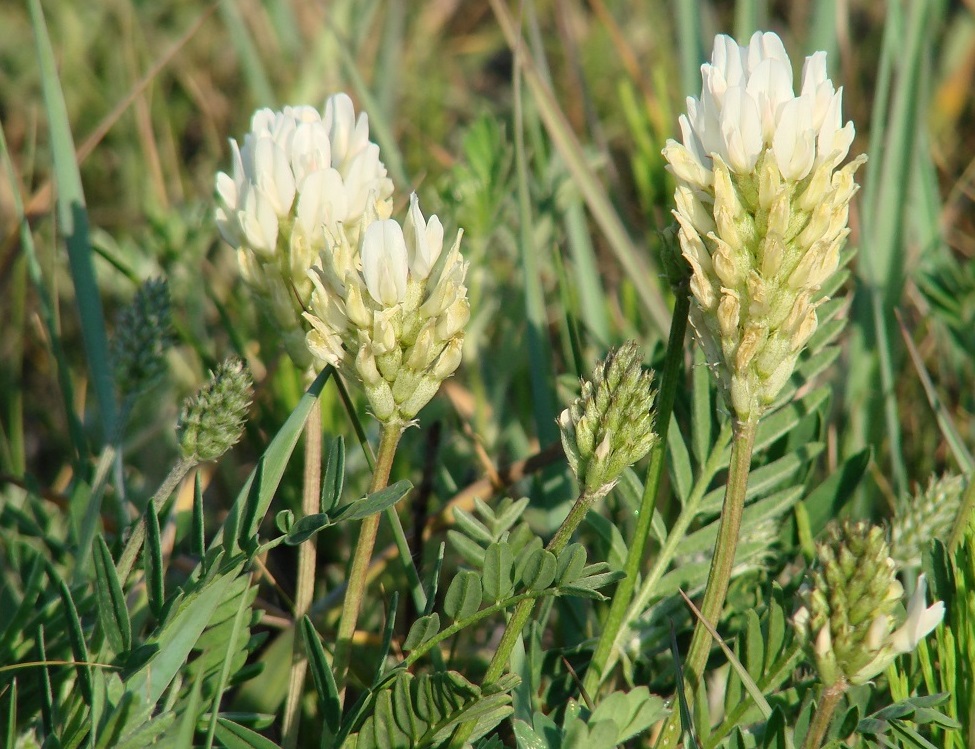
650, 428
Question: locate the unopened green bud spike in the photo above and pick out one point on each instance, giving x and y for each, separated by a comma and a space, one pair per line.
143, 333
610, 425
212, 421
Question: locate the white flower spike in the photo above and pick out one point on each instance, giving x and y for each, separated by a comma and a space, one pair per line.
297, 175
762, 210
389, 311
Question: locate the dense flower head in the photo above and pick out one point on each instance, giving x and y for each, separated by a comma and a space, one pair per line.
762, 210
389, 307
850, 606
298, 174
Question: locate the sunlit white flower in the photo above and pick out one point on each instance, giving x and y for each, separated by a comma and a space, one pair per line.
762, 210
921, 620
389, 311
298, 174
748, 104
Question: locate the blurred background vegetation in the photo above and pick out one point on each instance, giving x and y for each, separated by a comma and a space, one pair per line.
561, 224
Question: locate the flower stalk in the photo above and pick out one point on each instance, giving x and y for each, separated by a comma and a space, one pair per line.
355, 589
305, 586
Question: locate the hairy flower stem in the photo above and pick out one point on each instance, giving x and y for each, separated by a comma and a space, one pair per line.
388, 441
722, 564
521, 614
305, 589
134, 544
665, 405
824, 714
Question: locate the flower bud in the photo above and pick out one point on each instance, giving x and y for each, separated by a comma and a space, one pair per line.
212, 421
847, 617
610, 426
143, 333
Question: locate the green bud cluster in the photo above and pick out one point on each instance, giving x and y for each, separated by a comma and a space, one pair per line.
143, 333
212, 421
848, 608
610, 424
924, 517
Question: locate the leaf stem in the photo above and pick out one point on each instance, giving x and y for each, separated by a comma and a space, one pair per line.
519, 618
388, 441
634, 558
824, 714
305, 587
134, 544
722, 564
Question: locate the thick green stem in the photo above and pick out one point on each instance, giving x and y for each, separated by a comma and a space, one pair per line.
634, 559
355, 590
134, 544
305, 588
824, 714
722, 564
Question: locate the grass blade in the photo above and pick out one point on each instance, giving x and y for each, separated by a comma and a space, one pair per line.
73, 223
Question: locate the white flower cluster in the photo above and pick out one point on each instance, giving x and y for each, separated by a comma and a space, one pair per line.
748, 105
298, 173
390, 309
762, 210
308, 208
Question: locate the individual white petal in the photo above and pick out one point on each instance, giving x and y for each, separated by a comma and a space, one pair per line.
424, 240
273, 175
258, 222
794, 143
741, 130
921, 620
766, 46
339, 119
814, 73
770, 85
226, 190
321, 203
385, 264
728, 58
310, 150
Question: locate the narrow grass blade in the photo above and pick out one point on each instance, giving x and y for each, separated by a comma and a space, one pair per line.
254, 72
644, 276
945, 422
73, 223
65, 386
270, 470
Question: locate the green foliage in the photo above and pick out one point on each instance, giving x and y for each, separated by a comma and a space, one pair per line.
619, 717
422, 711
